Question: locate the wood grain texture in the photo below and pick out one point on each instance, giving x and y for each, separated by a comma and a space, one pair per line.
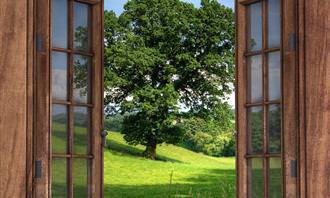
29, 104
241, 123
290, 97
13, 59
97, 92
301, 100
317, 62
42, 99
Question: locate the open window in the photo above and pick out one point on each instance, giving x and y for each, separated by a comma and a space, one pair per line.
69, 158
266, 160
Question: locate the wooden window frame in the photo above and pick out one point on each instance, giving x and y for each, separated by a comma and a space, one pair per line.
43, 97
70, 103
265, 103
288, 101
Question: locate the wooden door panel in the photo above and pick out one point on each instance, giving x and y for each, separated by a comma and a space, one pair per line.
317, 101
13, 71
61, 154
288, 100
41, 95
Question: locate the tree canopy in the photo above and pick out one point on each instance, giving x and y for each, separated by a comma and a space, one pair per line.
165, 57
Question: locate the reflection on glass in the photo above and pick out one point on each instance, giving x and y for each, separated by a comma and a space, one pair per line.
274, 124
59, 75
255, 129
255, 78
255, 27
256, 178
81, 78
275, 178
59, 185
60, 23
274, 23
81, 27
59, 128
81, 130
80, 178
274, 73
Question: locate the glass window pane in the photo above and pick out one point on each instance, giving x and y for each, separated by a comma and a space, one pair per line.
80, 178
81, 27
255, 118
59, 178
59, 75
256, 180
255, 79
274, 125
59, 128
274, 73
60, 23
81, 130
275, 178
274, 23
255, 27
81, 78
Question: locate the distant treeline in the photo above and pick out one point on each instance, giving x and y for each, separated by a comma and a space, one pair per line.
200, 135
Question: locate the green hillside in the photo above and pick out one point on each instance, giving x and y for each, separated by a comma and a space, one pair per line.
129, 175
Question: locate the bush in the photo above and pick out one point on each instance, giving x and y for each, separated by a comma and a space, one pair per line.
207, 137
114, 123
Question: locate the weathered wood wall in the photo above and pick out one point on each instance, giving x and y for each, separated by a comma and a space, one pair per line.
13, 98
317, 98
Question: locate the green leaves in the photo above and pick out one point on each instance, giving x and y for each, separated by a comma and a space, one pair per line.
160, 55
210, 133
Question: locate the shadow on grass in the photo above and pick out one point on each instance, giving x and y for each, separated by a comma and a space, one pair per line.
118, 148
214, 176
221, 185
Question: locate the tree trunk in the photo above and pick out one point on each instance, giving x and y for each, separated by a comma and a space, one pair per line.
150, 152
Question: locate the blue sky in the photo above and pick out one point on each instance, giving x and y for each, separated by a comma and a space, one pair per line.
117, 5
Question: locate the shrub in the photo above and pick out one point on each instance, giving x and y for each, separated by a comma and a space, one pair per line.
207, 137
114, 123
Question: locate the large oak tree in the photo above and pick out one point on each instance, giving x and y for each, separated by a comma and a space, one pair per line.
162, 56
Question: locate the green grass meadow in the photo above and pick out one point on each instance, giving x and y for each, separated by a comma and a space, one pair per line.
178, 172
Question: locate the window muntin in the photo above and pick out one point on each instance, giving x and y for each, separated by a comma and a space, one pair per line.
81, 130
81, 78
60, 23
81, 23
263, 105
255, 131
274, 23
274, 128
255, 27
254, 67
72, 59
59, 75
59, 178
256, 178
80, 177
59, 128
274, 76
275, 177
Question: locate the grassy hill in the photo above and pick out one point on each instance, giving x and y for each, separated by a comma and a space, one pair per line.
178, 172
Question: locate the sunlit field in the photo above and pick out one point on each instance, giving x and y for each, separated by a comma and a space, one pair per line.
178, 172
